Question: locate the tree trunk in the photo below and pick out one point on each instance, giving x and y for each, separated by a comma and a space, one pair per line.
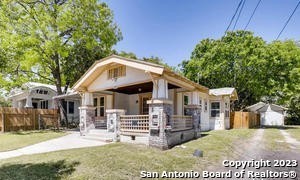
57, 76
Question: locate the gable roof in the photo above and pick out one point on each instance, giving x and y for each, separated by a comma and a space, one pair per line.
226, 91
99, 66
262, 107
32, 85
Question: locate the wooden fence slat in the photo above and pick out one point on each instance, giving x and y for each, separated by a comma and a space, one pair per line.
14, 119
240, 119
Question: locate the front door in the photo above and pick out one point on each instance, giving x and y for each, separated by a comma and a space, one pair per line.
144, 105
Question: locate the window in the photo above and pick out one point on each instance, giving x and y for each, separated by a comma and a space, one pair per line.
215, 109
71, 107
100, 108
44, 104
205, 105
200, 103
95, 104
117, 72
186, 100
145, 106
185, 103
226, 109
41, 91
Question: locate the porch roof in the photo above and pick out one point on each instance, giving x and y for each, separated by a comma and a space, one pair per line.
99, 66
227, 91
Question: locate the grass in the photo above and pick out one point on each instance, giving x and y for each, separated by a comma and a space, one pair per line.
15, 140
274, 140
122, 161
294, 131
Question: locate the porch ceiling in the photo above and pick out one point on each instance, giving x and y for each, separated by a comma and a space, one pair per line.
139, 88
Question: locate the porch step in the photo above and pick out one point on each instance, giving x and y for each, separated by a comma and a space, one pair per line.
97, 138
99, 135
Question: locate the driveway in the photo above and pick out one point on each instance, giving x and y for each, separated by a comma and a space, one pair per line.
70, 141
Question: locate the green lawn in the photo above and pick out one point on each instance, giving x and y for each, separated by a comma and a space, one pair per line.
122, 161
15, 140
274, 140
294, 131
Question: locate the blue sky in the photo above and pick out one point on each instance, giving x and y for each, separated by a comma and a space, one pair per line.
170, 29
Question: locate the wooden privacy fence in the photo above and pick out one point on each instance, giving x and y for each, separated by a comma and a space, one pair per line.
240, 119
14, 119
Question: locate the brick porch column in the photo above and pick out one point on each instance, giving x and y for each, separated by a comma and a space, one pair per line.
194, 109
160, 112
87, 113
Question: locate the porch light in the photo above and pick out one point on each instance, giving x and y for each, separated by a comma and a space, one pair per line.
140, 89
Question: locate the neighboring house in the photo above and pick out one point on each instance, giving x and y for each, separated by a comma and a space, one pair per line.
118, 83
40, 96
270, 114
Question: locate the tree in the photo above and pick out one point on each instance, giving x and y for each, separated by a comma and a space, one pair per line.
49, 38
258, 70
232, 61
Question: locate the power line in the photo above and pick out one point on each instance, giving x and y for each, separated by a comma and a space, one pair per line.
237, 19
252, 15
288, 20
234, 15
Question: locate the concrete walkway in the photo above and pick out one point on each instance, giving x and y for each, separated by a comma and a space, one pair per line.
70, 141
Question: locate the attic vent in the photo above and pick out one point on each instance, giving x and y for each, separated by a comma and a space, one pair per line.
117, 72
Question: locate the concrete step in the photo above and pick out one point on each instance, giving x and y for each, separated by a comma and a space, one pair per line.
97, 138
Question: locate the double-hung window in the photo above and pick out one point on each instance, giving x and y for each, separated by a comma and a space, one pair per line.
215, 109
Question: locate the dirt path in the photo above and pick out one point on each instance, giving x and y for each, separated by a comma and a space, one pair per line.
294, 144
253, 149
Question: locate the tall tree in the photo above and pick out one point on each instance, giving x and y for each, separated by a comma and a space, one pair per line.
49, 38
232, 61
258, 70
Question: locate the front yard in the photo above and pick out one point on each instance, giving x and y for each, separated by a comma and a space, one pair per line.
15, 140
294, 131
123, 161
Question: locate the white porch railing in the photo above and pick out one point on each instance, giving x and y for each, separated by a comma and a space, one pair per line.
134, 124
179, 123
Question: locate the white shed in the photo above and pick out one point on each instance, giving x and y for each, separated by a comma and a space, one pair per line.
270, 114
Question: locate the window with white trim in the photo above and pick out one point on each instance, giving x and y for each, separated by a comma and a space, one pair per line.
200, 103
215, 109
185, 103
99, 103
205, 105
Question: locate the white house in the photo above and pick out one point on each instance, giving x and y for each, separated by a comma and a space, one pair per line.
133, 85
40, 96
270, 114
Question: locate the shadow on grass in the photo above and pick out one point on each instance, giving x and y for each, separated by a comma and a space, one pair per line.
280, 127
33, 132
51, 170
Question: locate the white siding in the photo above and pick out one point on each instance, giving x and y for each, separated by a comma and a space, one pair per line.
272, 118
133, 76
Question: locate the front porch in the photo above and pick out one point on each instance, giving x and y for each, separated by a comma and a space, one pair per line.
139, 99
136, 112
